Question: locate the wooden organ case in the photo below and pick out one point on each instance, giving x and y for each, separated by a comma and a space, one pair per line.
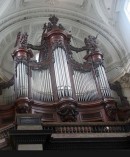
58, 87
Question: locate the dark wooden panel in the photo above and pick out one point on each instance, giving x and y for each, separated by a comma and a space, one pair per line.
87, 116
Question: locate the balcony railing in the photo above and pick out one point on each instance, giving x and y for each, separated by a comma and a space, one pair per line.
74, 128
89, 127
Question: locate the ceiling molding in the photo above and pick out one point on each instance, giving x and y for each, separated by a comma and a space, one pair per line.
46, 12
13, 22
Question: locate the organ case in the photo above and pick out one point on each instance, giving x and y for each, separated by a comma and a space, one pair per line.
57, 86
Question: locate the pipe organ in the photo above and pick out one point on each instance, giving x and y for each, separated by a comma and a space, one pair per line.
57, 86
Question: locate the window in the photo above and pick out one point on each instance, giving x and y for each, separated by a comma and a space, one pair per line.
37, 57
127, 9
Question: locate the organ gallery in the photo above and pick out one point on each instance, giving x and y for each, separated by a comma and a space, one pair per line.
58, 88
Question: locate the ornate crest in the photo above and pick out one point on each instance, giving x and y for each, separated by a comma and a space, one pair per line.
67, 110
53, 20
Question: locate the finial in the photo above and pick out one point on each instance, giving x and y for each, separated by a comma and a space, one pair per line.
53, 20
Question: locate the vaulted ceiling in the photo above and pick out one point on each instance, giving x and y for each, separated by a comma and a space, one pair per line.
81, 17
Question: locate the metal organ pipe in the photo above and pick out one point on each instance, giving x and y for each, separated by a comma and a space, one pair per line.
25, 80
18, 80
35, 75
62, 73
106, 82
57, 74
22, 80
39, 94
41, 85
84, 86
22, 77
100, 78
21, 92
104, 86
94, 91
45, 85
50, 87
75, 81
63, 79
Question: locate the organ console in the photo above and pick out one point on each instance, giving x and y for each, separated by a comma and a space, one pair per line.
57, 86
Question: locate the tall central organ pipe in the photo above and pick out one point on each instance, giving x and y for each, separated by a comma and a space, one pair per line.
62, 80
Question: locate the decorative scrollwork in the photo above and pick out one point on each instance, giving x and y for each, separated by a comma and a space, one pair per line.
80, 67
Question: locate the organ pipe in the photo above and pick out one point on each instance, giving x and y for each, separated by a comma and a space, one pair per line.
104, 86
41, 85
85, 86
62, 73
22, 80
